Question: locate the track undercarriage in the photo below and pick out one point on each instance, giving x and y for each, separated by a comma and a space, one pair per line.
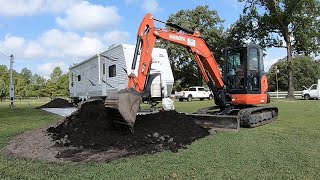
249, 116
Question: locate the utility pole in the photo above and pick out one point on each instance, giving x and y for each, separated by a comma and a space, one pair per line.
11, 87
277, 71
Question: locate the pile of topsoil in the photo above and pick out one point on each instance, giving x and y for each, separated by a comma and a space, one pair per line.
91, 128
56, 103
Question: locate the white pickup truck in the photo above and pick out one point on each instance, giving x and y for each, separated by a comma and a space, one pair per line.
313, 92
194, 92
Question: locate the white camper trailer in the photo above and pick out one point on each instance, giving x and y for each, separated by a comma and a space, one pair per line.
107, 73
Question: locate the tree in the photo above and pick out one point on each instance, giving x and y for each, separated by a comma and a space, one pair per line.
63, 85
26, 74
51, 89
27, 84
4, 74
3, 89
4, 81
22, 88
38, 85
56, 74
58, 85
306, 71
297, 22
210, 26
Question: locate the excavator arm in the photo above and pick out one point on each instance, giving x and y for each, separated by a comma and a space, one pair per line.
146, 38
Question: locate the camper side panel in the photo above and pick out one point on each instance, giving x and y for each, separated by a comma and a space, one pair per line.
84, 78
116, 70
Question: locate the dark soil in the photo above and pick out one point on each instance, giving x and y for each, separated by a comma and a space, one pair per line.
90, 128
57, 103
88, 135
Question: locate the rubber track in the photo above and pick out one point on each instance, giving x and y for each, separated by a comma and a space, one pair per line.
246, 116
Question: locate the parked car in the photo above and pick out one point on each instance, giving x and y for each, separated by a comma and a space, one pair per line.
313, 92
194, 92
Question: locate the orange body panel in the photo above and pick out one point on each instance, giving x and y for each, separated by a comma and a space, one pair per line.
264, 84
249, 99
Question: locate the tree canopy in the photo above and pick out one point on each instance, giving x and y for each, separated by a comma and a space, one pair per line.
210, 26
306, 71
33, 85
292, 24
56, 74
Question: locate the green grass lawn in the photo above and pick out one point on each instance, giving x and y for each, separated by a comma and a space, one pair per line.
288, 148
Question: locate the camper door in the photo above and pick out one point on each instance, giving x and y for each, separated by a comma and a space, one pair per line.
103, 77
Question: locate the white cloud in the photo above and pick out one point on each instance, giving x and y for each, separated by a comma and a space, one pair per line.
57, 6
151, 6
12, 42
30, 7
89, 17
19, 7
51, 45
33, 50
68, 44
46, 68
12, 45
116, 37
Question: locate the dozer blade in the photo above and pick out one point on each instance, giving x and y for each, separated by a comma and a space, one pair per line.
122, 107
217, 122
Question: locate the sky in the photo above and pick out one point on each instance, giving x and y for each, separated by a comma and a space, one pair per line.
43, 34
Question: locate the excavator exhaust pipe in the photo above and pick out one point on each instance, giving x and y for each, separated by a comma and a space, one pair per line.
123, 106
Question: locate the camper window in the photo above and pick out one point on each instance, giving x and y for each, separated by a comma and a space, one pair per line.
112, 71
79, 77
104, 68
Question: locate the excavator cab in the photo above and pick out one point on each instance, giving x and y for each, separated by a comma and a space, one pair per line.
243, 69
244, 74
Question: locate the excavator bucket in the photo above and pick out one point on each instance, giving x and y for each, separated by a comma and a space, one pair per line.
123, 106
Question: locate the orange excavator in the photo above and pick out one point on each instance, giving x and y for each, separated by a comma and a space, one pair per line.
237, 90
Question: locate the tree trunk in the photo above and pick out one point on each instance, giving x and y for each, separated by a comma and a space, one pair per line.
199, 78
290, 69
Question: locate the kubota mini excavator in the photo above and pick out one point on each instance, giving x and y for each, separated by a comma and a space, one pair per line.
242, 85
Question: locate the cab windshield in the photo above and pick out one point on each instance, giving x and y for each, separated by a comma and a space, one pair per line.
236, 68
